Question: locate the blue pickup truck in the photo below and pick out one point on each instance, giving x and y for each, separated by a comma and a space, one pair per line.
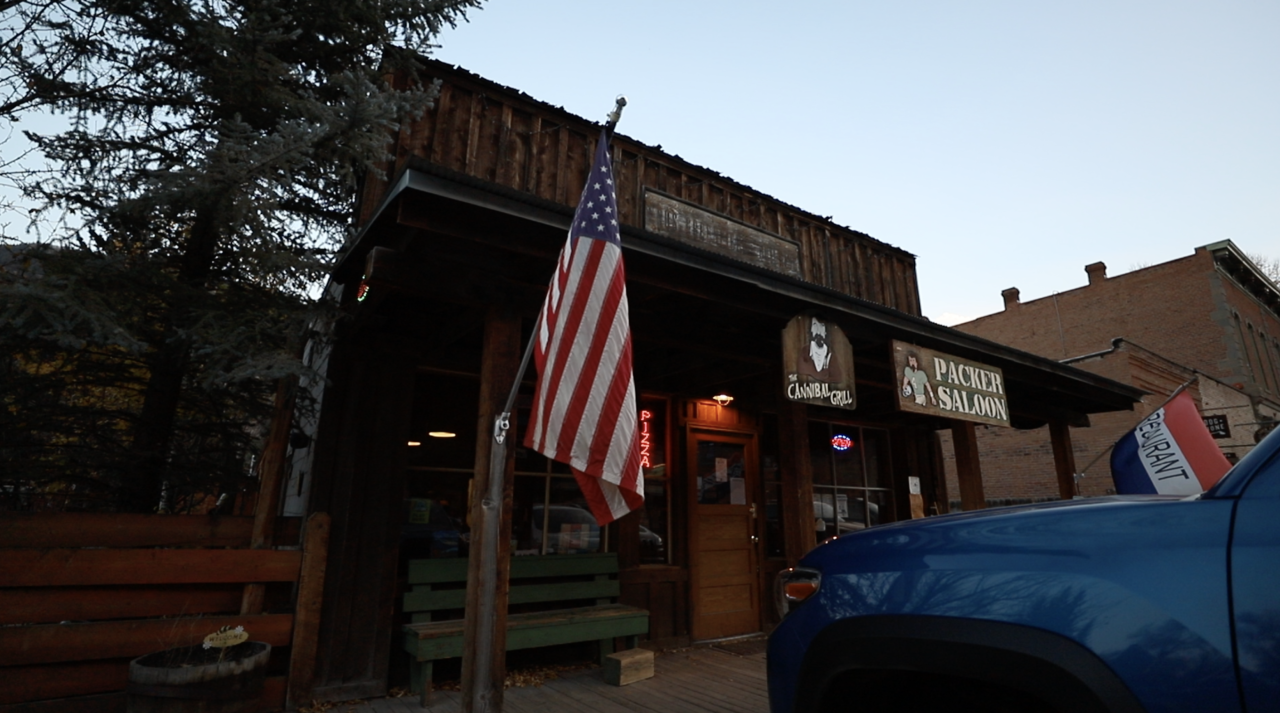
1148, 603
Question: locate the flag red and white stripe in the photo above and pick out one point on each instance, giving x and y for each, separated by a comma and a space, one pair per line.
584, 406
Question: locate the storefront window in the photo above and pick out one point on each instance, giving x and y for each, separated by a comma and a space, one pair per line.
774, 545
851, 482
442, 452
655, 521
549, 514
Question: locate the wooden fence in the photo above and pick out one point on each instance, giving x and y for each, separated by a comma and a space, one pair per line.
83, 594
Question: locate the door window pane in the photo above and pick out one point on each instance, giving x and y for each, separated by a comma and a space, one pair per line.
721, 471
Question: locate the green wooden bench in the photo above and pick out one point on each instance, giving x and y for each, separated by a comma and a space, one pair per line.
556, 581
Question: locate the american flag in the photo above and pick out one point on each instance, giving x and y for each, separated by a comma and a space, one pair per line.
584, 407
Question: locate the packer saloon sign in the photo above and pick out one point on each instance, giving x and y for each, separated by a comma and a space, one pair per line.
817, 363
942, 385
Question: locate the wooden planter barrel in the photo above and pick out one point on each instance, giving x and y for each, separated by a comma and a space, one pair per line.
179, 681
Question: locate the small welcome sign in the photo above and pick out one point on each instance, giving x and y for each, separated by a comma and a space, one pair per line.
939, 384
817, 363
226, 637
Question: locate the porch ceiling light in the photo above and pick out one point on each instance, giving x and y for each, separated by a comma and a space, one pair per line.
722, 399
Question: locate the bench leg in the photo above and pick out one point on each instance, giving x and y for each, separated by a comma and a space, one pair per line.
420, 679
606, 648
632, 642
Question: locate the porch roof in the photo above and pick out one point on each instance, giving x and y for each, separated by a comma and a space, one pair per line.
431, 200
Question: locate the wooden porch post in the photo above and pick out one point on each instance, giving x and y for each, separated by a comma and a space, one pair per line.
941, 499
968, 467
270, 480
306, 619
500, 361
1064, 459
797, 480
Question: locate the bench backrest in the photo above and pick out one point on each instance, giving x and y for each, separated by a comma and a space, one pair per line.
435, 582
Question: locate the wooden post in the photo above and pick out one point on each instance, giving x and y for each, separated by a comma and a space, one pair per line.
941, 500
306, 617
912, 450
797, 480
270, 483
1064, 459
484, 663
968, 467
629, 540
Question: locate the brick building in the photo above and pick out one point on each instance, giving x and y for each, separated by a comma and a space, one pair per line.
1212, 313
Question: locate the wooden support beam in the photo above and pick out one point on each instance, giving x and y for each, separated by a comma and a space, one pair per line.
306, 619
968, 466
500, 361
271, 470
628, 529
797, 479
941, 499
270, 480
1064, 459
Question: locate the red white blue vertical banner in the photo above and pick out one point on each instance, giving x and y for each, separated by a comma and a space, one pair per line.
1169, 453
584, 406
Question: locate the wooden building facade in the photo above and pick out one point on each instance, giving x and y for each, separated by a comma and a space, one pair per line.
440, 290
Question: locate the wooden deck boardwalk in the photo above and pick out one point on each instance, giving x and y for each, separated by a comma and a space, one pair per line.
719, 678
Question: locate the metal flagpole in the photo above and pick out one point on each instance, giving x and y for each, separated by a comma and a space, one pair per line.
481, 699
1180, 389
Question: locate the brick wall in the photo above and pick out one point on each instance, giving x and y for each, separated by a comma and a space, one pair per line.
1253, 333
1172, 319
1164, 308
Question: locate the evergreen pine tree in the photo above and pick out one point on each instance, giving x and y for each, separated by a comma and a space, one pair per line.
205, 182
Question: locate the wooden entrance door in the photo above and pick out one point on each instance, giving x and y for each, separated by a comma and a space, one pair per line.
723, 543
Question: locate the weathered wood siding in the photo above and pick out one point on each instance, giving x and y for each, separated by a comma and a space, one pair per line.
499, 135
359, 477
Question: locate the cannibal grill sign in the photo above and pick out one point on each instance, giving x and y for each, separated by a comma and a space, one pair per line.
817, 363
942, 385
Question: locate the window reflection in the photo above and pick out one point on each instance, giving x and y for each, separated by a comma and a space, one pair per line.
851, 484
655, 524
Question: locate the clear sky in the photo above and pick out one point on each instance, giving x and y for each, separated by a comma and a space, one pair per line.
1005, 143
